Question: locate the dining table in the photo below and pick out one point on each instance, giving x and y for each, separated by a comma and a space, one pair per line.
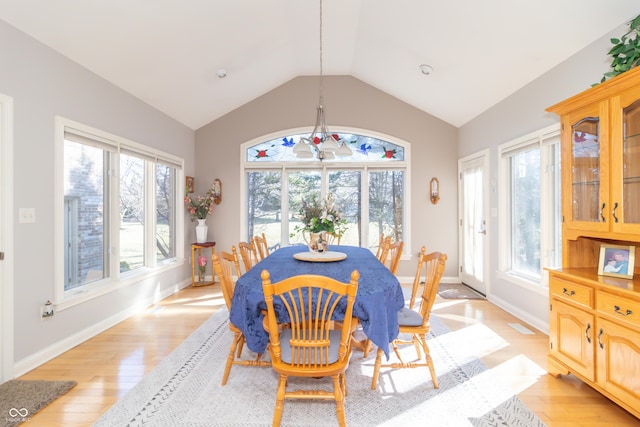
378, 300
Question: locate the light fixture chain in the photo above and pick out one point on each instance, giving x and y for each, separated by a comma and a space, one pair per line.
321, 71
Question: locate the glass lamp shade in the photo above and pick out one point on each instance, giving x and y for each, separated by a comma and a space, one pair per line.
344, 151
330, 144
303, 150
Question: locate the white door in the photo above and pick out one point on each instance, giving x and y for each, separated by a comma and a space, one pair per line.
473, 204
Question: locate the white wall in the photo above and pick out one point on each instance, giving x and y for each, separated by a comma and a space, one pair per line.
351, 103
522, 113
44, 84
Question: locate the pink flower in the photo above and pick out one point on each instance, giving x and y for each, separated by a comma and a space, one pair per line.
202, 260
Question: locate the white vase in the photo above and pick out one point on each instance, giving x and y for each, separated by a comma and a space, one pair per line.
201, 231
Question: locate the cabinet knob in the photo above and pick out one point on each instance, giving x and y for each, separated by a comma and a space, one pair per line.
567, 293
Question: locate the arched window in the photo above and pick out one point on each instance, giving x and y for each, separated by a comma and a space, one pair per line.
369, 187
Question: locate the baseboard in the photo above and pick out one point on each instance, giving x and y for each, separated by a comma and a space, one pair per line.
444, 279
540, 325
33, 361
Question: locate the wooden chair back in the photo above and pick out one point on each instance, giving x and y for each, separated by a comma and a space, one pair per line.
332, 238
384, 253
433, 265
395, 253
380, 245
223, 264
248, 254
262, 248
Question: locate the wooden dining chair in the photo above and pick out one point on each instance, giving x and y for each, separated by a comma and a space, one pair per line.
248, 254
313, 345
262, 248
383, 254
395, 253
223, 263
380, 245
416, 323
332, 238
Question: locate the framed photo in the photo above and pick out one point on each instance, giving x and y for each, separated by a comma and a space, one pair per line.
617, 261
190, 184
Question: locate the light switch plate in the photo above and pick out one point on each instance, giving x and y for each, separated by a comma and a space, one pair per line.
26, 215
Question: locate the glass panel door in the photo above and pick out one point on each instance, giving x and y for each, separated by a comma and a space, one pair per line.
585, 171
473, 222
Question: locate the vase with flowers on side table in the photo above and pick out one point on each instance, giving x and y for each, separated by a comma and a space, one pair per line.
201, 264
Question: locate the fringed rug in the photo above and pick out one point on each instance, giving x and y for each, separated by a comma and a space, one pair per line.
185, 390
20, 400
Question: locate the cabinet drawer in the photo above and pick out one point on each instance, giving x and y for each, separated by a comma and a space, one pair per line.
570, 291
620, 308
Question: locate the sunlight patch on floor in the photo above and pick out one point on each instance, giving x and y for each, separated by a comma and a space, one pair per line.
474, 341
518, 373
209, 302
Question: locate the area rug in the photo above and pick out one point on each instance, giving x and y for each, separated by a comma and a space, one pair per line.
20, 400
185, 390
458, 291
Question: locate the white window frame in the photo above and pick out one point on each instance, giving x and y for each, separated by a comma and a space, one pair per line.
542, 139
115, 280
324, 167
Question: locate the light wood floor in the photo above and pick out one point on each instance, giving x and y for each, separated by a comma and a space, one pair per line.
110, 364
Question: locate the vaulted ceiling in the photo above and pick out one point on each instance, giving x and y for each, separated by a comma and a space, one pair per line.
168, 52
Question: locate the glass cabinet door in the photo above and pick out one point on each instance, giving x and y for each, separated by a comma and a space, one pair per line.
585, 170
630, 164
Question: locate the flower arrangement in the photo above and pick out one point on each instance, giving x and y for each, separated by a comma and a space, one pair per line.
319, 216
200, 206
202, 266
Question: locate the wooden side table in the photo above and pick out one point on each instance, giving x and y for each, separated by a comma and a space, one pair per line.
198, 247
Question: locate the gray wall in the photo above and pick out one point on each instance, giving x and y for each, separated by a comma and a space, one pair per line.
44, 84
351, 103
522, 113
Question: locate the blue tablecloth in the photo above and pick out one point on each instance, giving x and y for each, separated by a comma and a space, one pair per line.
377, 303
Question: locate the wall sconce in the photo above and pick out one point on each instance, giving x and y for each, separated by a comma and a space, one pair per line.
434, 190
217, 191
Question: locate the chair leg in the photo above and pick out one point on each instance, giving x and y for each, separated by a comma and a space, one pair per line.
339, 396
237, 337
376, 369
427, 354
240, 346
416, 343
277, 413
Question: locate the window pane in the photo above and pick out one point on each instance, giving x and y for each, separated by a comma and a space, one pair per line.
386, 203
86, 213
264, 211
525, 213
131, 212
302, 185
555, 196
165, 212
346, 189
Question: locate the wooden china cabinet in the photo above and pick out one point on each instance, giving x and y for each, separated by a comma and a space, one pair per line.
594, 323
